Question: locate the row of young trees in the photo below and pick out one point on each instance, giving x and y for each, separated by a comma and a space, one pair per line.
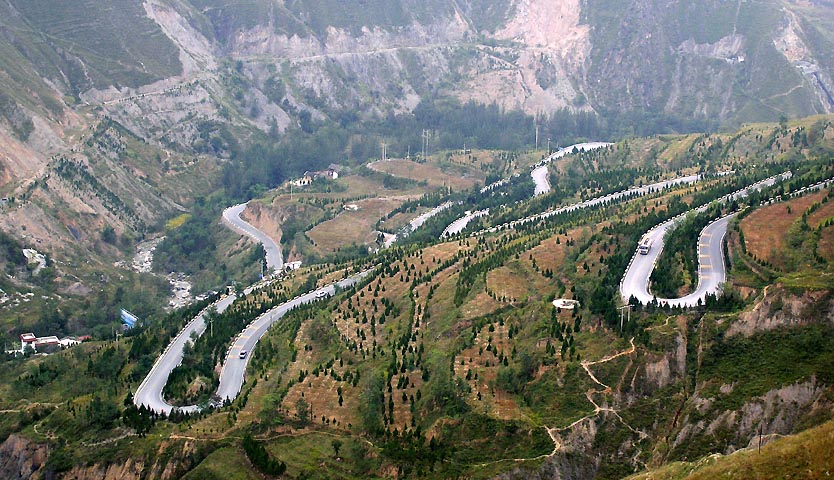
260, 458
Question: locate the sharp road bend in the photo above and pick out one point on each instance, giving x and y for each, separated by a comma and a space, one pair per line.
232, 374
711, 269
540, 173
149, 392
274, 257
234, 368
611, 197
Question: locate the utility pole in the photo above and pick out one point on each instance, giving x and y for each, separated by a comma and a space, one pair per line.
760, 438
622, 310
537, 134
384, 153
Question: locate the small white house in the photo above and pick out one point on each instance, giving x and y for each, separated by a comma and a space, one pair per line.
305, 180
565, 303
292, 265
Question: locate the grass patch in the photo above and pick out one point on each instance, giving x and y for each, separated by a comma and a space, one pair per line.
312, 455
806, 455
560, 401
177, 221
779, 358
459, 177
227, 463
480, 439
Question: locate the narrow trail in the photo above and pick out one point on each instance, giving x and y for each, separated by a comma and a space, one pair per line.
665, 324
590, 396
552, 432
110, 440
606, 389
30, 405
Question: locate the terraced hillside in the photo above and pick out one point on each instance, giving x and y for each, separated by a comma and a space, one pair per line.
123, 122
451, 360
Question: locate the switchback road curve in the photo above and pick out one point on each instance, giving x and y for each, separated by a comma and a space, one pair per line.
232, 373
711, 269
274, 257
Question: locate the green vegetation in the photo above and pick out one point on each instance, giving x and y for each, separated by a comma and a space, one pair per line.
113, 43
677, 266
801, 456
449, 360
257, 454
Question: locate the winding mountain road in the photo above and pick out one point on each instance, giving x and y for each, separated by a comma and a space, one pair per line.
149, 392
711, 269
234, 368
540, 172
631, 192
274, 257
232, 374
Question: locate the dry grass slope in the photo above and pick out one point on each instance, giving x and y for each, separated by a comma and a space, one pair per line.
807, 455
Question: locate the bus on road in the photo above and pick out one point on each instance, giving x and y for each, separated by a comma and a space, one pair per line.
645, 246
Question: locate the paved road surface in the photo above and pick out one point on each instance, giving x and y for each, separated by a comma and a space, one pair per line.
631, 192
149, 392
274, 257
711, 269
458, 225
540, 173
234, 368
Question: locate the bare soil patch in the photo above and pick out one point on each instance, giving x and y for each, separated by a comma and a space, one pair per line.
507, 285
351, 227
765, 230
459, 177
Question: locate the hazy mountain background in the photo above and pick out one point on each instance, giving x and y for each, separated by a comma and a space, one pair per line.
122, 119
116, 115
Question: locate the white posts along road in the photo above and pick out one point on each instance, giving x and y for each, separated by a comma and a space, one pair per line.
149, 392
631, 192
234, 368
540, 172
711, 269
274, 257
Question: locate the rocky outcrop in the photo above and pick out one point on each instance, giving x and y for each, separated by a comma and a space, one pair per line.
129, 470
779, 308
778, 412
21, 458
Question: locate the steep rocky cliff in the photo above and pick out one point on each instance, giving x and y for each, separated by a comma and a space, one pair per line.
21, 458
190, 76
